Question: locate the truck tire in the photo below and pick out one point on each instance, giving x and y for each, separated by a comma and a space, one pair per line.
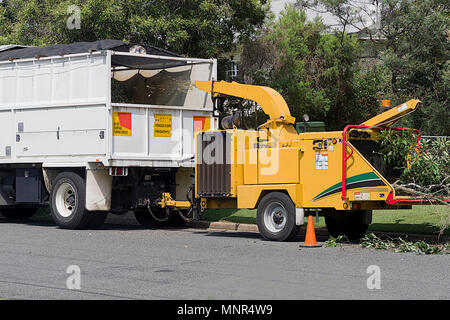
19, 213
349, 224
145, 218
68, 200
276, 217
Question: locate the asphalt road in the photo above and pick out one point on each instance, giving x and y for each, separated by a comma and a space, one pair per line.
124, 261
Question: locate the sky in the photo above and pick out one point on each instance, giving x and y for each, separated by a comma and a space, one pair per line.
278, 6
328, 19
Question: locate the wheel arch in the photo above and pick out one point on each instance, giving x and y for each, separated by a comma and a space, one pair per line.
98, 185
249, 197
266, 192
50, 174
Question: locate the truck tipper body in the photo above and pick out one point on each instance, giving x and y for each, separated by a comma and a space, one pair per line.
119, 116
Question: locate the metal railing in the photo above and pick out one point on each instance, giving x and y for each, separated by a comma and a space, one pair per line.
435, 137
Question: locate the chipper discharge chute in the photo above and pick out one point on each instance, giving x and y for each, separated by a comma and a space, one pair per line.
286, 175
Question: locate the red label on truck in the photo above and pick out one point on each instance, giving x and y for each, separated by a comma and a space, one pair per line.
122, 124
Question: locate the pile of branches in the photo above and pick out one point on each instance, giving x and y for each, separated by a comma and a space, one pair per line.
424, 164
424, 167
434, 192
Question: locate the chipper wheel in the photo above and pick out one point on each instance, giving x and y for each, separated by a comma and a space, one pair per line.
351, 224
276, 217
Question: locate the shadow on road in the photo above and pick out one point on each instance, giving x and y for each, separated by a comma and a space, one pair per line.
231, 234
31, 222
126, 224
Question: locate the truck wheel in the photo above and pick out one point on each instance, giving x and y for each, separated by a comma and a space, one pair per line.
145, 218
68, 200
19, 213
355, 227
276, 217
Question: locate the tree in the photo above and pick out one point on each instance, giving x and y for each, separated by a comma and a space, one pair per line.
317, 73
201, 28
415, 54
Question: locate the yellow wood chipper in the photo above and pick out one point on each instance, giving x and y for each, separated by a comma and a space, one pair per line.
285, 175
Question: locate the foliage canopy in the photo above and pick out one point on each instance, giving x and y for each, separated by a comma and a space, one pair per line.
201, 28
317, 73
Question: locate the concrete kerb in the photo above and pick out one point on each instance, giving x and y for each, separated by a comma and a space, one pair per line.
223, 225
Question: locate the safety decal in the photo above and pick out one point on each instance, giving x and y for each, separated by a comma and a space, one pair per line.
321, 160
403, 107
163, 125
362, 195
122, 124
201, 123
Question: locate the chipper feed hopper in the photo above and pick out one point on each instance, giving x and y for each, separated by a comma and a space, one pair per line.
286, 175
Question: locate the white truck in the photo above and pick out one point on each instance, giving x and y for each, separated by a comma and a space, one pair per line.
92, 128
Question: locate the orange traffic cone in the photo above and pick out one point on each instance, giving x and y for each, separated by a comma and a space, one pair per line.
310, 239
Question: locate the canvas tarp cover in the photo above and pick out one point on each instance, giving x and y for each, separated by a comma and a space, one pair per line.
145, 63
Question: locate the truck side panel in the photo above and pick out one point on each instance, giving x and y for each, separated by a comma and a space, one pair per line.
57, 111
54, 109
60, 132
151, 132
54, 81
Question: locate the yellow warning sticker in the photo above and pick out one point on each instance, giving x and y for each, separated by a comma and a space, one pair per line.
163, 125
122, 125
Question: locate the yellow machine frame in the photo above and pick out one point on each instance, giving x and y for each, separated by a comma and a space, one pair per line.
309, 167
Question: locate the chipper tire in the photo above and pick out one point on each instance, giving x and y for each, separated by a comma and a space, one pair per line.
276, 217
336, 224
350, 224
68, 202
355, 227
18, 213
